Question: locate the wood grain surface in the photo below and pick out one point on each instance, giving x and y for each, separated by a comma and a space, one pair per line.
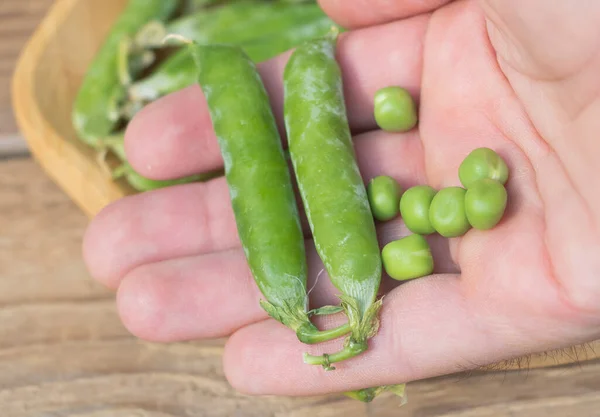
18, 19
64, 352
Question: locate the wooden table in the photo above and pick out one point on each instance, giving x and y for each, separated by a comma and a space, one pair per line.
64, 352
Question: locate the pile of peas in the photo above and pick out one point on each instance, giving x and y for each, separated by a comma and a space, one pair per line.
451, 211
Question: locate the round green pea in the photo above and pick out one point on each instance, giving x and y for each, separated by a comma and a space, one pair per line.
384, 194
485, 203
482, 163
447, 212
414, 209
407, 258
394, 109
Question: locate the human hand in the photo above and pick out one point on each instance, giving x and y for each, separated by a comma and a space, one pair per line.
518, 77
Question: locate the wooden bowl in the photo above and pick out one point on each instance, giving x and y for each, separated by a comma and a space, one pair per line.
45, 83
48, 74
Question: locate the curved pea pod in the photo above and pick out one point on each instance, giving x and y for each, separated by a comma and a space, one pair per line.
332, 189
116, 144
191, 6
260, 186
101, 87
141, 183
179, 71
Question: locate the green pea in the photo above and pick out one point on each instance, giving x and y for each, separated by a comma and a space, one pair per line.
482, 163
407, 258
395, 109
384, 194
414, 209
485, 203
447, 212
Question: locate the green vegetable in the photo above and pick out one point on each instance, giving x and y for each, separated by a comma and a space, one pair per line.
407, 258
141, 183
395, 109
384, 194
242, 21
447, 212
368, 394
414, 209
267, 47
485, 203
191, 6
179, 71
101, 87
332, 189
482, 163
260, 185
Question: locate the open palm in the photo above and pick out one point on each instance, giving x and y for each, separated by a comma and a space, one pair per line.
498, 74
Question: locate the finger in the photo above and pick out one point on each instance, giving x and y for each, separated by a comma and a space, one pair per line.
212, 295
150, 227
198, 218
173, 137
359, 13
428, 329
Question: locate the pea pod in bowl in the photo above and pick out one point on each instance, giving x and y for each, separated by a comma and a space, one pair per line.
92, 116
179, 71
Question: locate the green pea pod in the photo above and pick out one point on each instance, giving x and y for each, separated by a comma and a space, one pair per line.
116, 144
260, 185
265, 48
179, 71
192, 6
235, 22
242, 21
91, 115
332, 189
141, 183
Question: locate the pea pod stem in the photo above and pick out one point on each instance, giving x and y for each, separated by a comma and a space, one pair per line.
312, 337
351, 349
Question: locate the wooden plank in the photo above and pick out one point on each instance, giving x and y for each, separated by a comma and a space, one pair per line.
18, 20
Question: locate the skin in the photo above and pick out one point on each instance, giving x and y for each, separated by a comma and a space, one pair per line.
529, 285
101, 85
331, 187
